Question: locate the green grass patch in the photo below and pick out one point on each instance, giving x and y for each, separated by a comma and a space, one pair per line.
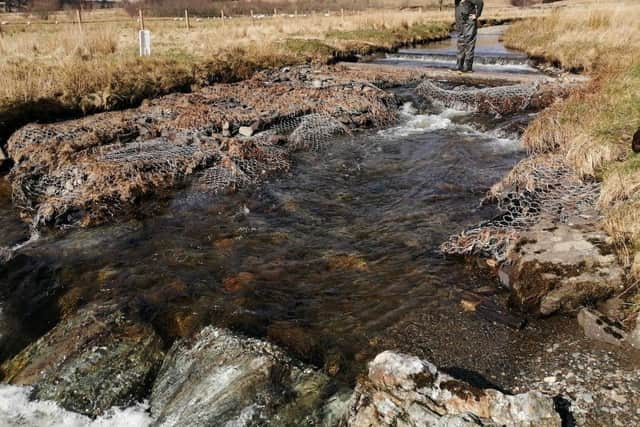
312, 48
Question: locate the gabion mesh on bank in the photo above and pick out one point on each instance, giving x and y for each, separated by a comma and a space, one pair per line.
537, 189
494, 100
96, 182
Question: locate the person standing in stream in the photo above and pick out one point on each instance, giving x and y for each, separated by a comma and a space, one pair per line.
467, 14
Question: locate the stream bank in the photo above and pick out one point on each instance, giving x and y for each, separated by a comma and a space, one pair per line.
335, 258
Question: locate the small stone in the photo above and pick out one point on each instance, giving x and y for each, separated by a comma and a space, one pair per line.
503, 275
245, 131
226, 129
317, 84
550, 380
616, 397
585, 397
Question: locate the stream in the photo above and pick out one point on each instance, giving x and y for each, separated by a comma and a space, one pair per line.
334, 261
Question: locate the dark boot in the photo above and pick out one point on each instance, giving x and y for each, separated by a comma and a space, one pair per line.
467, 67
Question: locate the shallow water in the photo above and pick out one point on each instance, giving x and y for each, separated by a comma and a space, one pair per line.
335, 261
337, 250
490, 54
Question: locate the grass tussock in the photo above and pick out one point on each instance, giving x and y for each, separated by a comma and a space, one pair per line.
593, 127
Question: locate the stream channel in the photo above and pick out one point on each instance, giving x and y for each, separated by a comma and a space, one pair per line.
335, 261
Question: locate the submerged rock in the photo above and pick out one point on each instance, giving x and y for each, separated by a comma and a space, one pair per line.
218, 378
405, 390
560, 268
91, 362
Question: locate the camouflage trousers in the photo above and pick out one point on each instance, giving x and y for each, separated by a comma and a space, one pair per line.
468, 29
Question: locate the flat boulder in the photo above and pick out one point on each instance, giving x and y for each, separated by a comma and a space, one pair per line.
90, 362
218, 378
558, 268
599, 327
405, 390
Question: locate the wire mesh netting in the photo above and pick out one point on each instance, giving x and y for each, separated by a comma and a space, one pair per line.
90, 170
538, 189
498, 100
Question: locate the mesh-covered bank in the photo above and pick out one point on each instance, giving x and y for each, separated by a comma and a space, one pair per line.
91, 170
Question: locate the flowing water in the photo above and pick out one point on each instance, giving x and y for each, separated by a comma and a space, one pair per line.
337, 250
324, 261
490, 54
334, 261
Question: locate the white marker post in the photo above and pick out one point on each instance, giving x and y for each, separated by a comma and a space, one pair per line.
144, 38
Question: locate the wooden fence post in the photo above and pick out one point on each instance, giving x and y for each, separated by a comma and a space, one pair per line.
441, 1
253, 19
342, 14
222, 15
141, 18
79, 17
186, 18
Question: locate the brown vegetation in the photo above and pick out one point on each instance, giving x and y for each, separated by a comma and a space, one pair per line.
90, 170
244, 7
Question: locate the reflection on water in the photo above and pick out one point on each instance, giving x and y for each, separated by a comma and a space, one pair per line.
322, 260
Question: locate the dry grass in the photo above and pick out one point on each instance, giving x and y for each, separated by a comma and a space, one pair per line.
593, 127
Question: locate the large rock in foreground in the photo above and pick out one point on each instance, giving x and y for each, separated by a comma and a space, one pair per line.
218, 378
403, 390
91, 362
559, 268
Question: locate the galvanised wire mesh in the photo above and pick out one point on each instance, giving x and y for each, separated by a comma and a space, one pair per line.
538, 189
498, 100
90, 170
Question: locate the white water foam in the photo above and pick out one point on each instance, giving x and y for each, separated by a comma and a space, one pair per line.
413, 123
451, 63
16, 410
6, 253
